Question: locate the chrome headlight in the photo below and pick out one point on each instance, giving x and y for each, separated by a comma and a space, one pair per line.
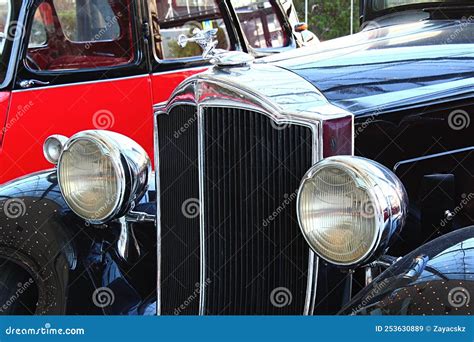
102, 174
53, 147
350, 209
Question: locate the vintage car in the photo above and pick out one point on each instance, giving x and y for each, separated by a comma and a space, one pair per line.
324, 180
67, 66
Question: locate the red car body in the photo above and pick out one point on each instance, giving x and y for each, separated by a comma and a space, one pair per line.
107, 64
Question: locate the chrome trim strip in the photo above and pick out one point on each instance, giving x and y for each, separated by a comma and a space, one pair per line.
202, 226
82, 83
158, 214
177, 71
431, 156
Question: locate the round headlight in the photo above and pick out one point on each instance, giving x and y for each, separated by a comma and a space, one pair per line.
53, 147
101, 174
350, 209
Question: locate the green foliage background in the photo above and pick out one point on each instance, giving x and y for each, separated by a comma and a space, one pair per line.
329, 19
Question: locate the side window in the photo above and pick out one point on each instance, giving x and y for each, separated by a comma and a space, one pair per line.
177, 17
38, 36
261, 23
80, 34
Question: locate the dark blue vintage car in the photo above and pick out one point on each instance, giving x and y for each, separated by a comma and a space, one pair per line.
332, 179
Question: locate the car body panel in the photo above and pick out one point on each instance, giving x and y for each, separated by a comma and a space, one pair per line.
112, 104
436, 278
390, 67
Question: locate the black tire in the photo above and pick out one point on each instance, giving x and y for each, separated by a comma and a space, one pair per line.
18, 291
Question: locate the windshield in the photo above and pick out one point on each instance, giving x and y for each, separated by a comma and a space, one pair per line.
380, 5
5, 17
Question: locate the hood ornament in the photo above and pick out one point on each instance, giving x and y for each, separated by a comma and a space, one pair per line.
219, 57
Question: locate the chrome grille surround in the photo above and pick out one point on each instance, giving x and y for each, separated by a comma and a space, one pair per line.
282, 96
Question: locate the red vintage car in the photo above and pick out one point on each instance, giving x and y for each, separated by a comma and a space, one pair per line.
71, 65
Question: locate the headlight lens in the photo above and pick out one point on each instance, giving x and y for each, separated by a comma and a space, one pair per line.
90, 180
102, 175
344, 206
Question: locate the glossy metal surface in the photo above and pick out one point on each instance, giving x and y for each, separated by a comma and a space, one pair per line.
271, 91
85, 257
385, 189
55, 141
206, 40
435, 279
131, 163
391, 67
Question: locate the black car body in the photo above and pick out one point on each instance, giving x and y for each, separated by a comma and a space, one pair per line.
221, 229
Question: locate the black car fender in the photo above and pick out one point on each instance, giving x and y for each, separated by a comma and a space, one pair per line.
434, 279
37, 232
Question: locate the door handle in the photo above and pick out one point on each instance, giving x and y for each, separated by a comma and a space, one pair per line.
25, 84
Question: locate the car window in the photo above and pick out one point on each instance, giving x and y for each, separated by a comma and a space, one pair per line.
5, 13
80, 34
261, 24
5, 18
85, 21
177, 17
38, 36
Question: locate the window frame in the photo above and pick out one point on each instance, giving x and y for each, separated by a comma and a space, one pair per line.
165, 65
283, 20
137, 66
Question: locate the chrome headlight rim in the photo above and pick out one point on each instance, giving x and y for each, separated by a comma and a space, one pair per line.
375, 179
108, 148
60, 140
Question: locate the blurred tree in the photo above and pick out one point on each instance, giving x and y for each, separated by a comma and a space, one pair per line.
329, 19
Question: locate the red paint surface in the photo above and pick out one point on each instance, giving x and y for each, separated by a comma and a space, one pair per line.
4, 103
123, 106
164, 84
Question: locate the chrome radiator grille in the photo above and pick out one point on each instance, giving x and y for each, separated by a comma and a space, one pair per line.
252, 256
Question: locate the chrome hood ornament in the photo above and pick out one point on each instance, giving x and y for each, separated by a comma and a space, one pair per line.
219, 57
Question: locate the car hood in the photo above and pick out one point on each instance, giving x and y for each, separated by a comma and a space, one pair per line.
391, 67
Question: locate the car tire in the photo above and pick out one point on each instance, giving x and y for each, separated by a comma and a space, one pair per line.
18, 291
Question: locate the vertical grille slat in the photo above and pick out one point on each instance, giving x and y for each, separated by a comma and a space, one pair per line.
250, 171
257, 168
179, 185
